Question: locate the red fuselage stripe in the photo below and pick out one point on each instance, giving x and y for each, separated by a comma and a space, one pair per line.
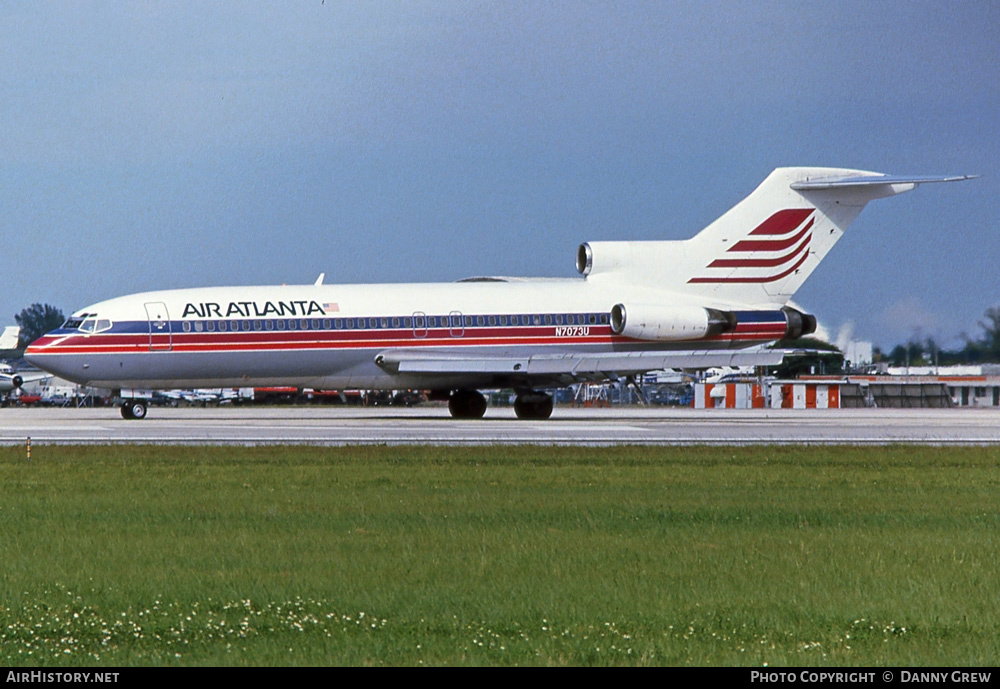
263, 341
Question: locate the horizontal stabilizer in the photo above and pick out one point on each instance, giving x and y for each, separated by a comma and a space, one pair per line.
872, 180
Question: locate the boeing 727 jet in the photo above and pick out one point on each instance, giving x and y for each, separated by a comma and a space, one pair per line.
712, 300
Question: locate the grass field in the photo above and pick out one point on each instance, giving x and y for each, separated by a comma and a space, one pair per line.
525, 555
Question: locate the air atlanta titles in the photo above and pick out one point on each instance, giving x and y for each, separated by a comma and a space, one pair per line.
253, 309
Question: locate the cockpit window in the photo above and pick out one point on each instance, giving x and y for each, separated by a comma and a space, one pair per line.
93, 325
72, 323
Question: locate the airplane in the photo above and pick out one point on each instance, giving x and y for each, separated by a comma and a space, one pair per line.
713, 300
9, 379
10, 336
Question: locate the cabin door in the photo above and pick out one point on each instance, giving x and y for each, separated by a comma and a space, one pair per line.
419, 324
456, 326
160, 337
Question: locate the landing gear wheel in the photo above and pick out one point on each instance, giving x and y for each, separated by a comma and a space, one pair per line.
467, 404
134, 409
533, 405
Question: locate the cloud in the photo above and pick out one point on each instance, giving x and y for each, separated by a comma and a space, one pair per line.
909, 319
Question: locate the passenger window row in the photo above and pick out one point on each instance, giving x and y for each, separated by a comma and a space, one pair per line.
417, 322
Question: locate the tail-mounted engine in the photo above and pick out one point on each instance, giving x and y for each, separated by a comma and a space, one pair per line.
678, 323
669, 323
635, 259
799, 323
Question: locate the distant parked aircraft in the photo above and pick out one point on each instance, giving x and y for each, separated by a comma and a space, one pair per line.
10, 381
9, 337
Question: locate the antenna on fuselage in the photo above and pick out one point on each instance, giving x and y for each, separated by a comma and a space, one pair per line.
319, 280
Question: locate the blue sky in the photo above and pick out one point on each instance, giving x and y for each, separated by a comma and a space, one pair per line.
152, 145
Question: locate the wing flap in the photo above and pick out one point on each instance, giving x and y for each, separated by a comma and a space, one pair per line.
460, 365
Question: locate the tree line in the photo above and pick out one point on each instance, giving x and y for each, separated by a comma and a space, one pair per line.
984, 349
35, 321
810, 355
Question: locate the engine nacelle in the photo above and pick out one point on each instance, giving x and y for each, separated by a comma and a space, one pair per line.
635, 258
669, 323
799, 323
678, 323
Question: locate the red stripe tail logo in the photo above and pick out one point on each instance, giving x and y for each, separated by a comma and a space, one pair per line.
773, 250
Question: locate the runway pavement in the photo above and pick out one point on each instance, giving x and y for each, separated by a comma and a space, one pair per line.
433, 426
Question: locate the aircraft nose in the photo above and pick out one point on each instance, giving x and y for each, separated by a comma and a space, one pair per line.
31, 352
36, 357
39, 354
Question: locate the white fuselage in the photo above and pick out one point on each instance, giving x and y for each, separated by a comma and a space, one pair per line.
329, 336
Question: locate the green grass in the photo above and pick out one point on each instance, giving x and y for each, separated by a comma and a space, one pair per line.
141, 555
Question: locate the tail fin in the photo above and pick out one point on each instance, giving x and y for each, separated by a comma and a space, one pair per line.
9, 338
764, 248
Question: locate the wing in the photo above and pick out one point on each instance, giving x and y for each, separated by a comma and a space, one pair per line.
561, 369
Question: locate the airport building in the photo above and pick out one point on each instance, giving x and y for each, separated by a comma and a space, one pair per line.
977, 387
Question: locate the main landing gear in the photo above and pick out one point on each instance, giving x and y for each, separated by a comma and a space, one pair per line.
529, 404
467, 404
134, 409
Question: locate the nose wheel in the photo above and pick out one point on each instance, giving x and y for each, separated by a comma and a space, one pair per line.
134, 409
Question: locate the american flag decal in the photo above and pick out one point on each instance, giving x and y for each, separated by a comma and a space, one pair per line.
331, 306
773, 250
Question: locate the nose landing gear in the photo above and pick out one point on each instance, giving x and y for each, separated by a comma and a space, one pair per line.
134, 409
